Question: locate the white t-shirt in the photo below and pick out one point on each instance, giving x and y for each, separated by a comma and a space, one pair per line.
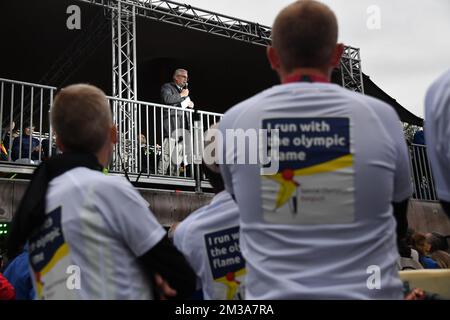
323, 226
437, 133
209, 239
96, 228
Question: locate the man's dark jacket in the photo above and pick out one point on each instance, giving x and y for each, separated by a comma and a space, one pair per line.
170, 95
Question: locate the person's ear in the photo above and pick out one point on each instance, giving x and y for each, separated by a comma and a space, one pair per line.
337, 54
113, 133
273, 57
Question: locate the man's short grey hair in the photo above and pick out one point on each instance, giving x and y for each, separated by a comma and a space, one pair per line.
81, 117
179, 71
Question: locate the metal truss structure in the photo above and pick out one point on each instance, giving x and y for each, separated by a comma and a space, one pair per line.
351, 70
124, 86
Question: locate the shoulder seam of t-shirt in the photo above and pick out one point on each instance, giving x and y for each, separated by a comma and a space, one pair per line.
406, 189
124, 187
188, 228
180, 233
366, 102
153, 238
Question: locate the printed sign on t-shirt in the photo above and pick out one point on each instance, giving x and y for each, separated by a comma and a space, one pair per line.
226, 263
49, 259
315, 180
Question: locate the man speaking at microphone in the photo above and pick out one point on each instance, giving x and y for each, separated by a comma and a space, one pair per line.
177, 149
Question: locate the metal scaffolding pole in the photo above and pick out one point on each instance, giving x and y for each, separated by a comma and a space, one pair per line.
125, 82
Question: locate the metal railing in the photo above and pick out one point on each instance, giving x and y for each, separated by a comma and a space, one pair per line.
421, 173
24, 108
206, 120
160, 142
164, 141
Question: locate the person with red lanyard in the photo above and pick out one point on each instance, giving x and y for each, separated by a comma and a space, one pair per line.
321, 224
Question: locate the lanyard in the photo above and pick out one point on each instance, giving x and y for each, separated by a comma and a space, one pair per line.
305, 78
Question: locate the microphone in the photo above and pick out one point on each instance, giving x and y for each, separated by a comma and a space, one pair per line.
186, 85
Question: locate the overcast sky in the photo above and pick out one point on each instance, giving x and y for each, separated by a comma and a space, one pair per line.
409, 50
